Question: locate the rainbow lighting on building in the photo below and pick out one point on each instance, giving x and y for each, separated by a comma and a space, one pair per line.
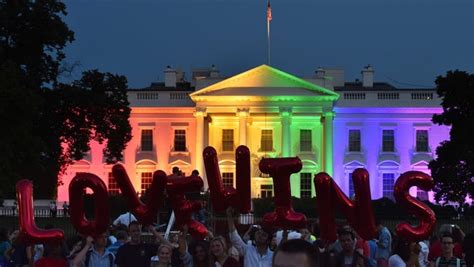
331, 125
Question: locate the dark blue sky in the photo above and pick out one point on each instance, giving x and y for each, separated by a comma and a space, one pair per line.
409, 41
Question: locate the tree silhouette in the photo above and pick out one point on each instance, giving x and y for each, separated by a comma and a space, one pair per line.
453, 169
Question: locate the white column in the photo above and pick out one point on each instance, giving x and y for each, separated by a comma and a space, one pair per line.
285, 114
199, 114
243, 114
328, 142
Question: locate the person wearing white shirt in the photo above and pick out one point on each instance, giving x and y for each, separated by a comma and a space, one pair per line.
258, 255
125, 219
423, 256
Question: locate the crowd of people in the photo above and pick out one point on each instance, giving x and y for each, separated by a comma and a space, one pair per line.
126, 244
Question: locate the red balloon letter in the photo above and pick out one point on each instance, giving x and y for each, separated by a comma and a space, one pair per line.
29, 232
284, 216
221, 197
359, 213
184, 208
101, 210
419, 209
146, 214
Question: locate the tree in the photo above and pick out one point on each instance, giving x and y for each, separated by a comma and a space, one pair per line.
453, 169
47, 125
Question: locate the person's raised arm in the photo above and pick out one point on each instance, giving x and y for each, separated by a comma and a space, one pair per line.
183, 246
159, 238
233, 234
81, 255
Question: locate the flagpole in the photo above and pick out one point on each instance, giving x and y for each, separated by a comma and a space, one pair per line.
268, 41
269, 19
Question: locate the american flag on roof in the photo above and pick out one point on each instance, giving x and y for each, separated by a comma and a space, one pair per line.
269, 11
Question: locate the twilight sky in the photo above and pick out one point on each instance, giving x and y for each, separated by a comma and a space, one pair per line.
408, 42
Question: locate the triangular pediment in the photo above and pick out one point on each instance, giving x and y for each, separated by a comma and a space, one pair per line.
268, 83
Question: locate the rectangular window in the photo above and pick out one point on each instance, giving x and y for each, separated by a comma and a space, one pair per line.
266, 191
388, 180
421, 140
354, 140
305, 141
228, 140
180, 140
305, 185
147, 178
388, 141
228, 179
351, 186
113, 187
266, 140
147, 140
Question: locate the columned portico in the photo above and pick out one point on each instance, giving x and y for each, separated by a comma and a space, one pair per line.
285, 113
328, 143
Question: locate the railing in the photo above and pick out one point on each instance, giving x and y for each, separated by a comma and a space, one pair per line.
179, 96
147, 95
388, 96
422, 96
354, 96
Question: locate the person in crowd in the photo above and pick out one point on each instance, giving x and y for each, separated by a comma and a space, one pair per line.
447, 258
94, 253
74, 244
124, 219
424, 251
219, 253
405, 254
373, 252
122, 238
199, 255
136, 252
53, 256
257, 254
349, 256
17, 255
468, 248
436, 246
295, 253
5, 245
163, 257
65, 209
53, 209
384, 244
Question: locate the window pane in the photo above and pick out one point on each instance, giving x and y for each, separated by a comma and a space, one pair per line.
422, 140
305, 140
388, 141
388, 180
228, 179
147, 178
228, 140
351, 186
179, 140
305, 185
266, 191
147, 140
354, 140
113, 186
266, 140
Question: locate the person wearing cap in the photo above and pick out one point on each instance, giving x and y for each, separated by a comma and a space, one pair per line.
255, 255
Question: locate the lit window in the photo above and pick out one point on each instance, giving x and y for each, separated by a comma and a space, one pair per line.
354, 140
179, 140
305, 140
305, 185
388, 180
113, 186
228, 140
228, 179
266, 140
147, 178
421, 140
147, 140
388, 141
351, 186
266, 191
